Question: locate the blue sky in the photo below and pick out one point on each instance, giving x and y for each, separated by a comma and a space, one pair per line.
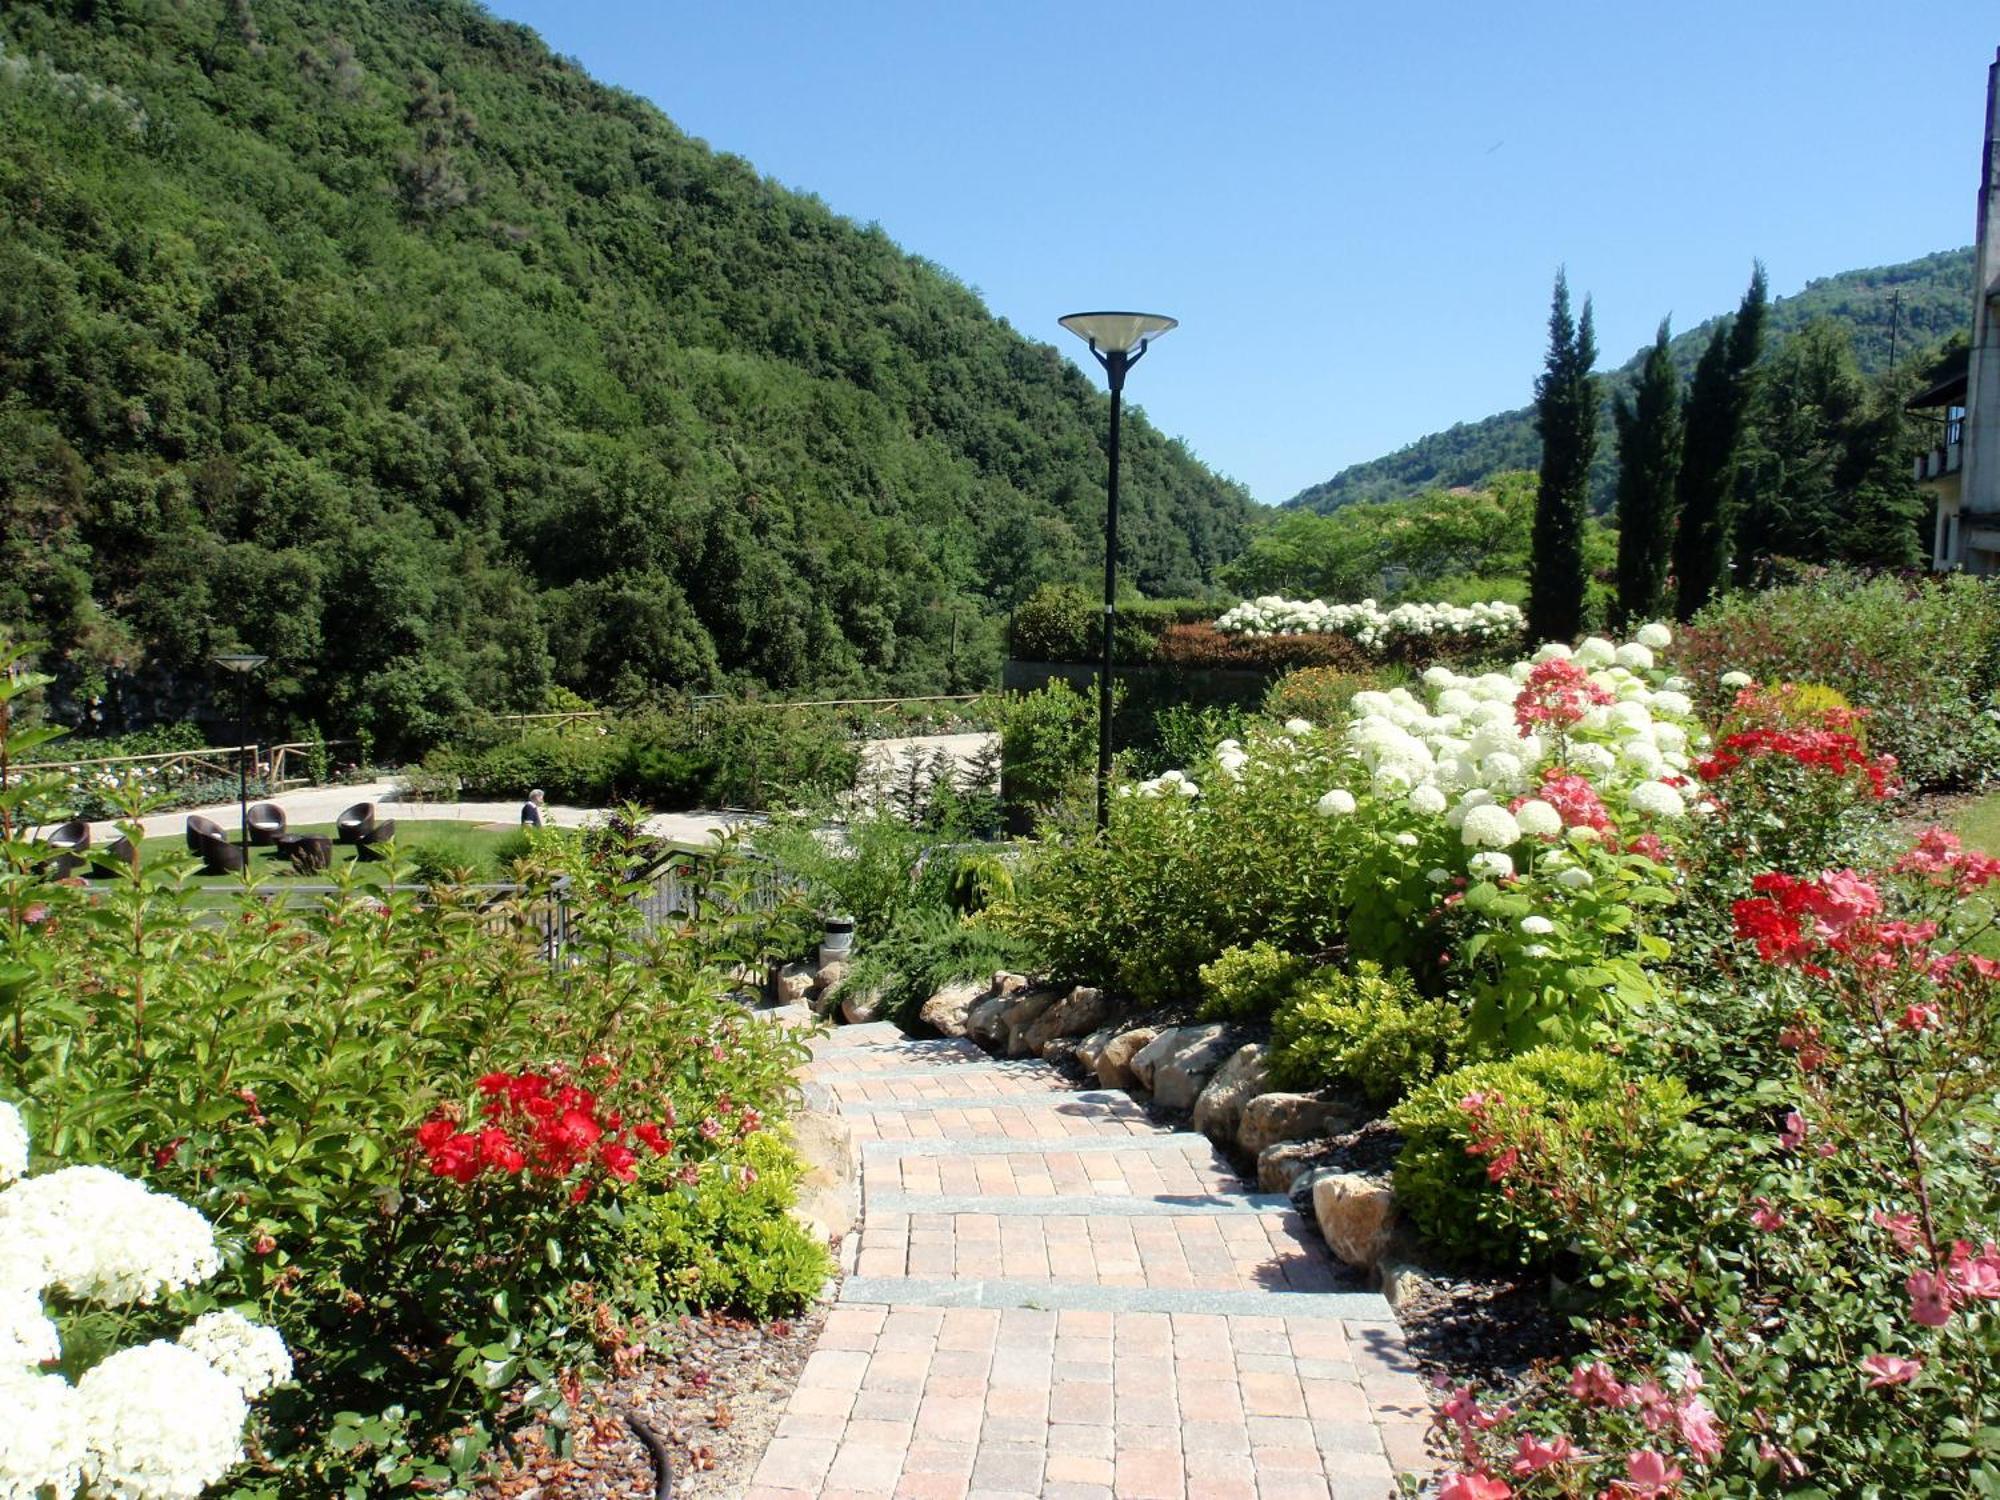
1355, 210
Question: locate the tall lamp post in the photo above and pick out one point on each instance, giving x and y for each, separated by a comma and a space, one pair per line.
1119, 340
242, 664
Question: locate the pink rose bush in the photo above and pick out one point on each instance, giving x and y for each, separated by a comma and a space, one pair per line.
1815, 1302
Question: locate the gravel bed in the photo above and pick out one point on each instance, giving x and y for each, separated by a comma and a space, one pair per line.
712, 1389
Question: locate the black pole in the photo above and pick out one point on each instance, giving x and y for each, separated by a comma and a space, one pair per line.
1115, 365
242, 756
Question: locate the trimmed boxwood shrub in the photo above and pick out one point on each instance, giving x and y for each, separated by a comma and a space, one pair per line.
1368, 1033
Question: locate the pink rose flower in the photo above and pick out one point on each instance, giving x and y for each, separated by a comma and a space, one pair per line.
1794, 1134
1698, 1430
1594, 1383
1765, 1216
1885, 1370
1647, 1474
1473, 1487
1532, 1455
1930, 1299
1902, 1227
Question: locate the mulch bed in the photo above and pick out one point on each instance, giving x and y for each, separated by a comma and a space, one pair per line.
711, 1388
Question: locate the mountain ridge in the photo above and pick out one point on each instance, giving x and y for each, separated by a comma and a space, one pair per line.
1936, 303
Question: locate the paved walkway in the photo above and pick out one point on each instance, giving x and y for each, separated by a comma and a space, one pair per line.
1051, 1295
881, 758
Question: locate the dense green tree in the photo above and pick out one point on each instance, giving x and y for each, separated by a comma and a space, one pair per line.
1649, 459
1718, 406
1826, 470
1566, 413
377, 338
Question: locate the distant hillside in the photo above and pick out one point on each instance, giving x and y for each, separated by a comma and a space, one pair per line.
1936, 303
380, 339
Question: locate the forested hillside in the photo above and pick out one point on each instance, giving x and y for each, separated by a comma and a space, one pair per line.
377, 338
1935, 302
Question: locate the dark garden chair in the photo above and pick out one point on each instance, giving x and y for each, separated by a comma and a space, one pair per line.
308, 852
353, 825
220, 857
200, 829
67, 842
372, 844
267, 821
120, 851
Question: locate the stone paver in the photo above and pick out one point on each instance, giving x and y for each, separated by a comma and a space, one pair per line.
1052, 1295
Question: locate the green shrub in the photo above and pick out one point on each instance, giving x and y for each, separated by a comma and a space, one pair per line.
727, 1243
1449, 1192
925, 949
1058, 622
1246, 983
1921, 655
1319, 695
1184, 735
1048, 748
1366, 1033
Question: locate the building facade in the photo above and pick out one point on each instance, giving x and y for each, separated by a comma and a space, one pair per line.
1962, 470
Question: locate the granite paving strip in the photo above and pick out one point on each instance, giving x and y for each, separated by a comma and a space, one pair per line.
1051, 1294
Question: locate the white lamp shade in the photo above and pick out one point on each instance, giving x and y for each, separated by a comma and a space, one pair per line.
1118, 332
240, 661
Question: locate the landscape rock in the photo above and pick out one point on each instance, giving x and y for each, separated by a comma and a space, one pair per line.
1402, 1283
828, 1199
1079, 1012
1091, 1048
1283, 1163
1114, 1059
982, 1021
828, 977
1357, 1216
1022, 1012
1198, 1051
949, 1010
795, 983
1270, 1118
1219, 1109
1007, 984
1058, 1050
858, 1006
1151, 1055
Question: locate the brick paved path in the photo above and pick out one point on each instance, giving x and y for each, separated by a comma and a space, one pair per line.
1050, 1295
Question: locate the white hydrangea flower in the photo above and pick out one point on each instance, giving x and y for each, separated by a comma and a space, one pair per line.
1489, 827
1491, 864
1596, 651
1654, 635
250, 1354
1679, 705
13, 1144
1407, 840
105, 1238
1337, 803
1298, 727
1737, 680
27, 1337
1635, 657
1537, 926
1657, 800
1593, 761
1427, 800
41, 1440
1438, 876
1538, 819
1576, 878
1678, 685
160, 1423
1536, 950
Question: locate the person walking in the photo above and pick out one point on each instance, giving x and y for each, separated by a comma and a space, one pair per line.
531, 810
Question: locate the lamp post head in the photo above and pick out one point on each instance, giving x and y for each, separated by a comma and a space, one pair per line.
1119, 332
239, 661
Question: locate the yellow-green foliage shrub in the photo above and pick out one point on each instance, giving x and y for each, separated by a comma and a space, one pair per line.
1367, 1033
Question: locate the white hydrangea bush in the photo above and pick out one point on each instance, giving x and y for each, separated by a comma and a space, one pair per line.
1371, 626
1518, 817
158, 1421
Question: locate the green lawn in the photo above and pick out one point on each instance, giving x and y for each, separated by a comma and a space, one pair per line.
431, 847
1979, 823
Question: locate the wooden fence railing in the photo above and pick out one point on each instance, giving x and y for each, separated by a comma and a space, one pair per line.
277, 765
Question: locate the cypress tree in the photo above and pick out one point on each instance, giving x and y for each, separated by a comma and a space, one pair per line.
1649, 459
1566, 403
1718, 402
